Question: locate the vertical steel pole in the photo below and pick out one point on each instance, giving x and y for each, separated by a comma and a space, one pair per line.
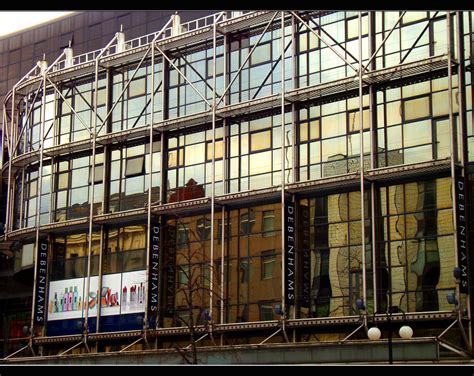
213, 163
373, 148
38, 197
282, 104
362, 188
9, 211
294, 80
225, 190
150, 183
294, 148
22, 196
463, 124
105, 194
91, 199
163, 173
453, 145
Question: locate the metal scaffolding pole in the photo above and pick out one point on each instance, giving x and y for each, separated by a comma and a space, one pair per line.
453, 162
9, 211
150, 185
294, 71
213, 174
38, 199
91, 200
163, 170
373, 148
362, 188
463, 125
453, 143
105, 195
283, 209
224, 191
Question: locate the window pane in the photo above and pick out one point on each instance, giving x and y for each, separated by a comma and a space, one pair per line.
79, 177
333, 148
443, 143
135, 166
353, 27
61, 200
247, 221
334, 125
417, 133
63, 180
98, 174
268, 263
260, 141
314, 129
393, 113
354, 120
412, 16
268, 225
33, 188
137, 87
260, 54
417, 108
303, 132
261, 162
194, 154
219, 150
79, 196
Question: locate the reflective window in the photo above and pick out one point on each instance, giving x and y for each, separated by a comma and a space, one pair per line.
418, 250
331, 248
134, 166
268, 264
268, 223
260, 141
416, 108
247, 221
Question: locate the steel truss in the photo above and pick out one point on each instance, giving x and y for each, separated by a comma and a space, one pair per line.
159, 46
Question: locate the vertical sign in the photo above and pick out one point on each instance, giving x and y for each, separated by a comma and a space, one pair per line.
41, 273
169, 278
289, 253
461, 231
153, 268
305, 257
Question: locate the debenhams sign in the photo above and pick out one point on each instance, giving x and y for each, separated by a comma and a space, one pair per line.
289, 234
461, 231
153, 271
41, 273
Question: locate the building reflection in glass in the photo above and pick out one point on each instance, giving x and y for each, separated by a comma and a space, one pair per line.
418, 256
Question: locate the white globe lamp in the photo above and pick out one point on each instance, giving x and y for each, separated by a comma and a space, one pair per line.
405, 332
374, 333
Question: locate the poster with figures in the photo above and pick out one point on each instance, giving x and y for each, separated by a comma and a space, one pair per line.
93, 297
119, 294
110, 294
133, 292
66, 299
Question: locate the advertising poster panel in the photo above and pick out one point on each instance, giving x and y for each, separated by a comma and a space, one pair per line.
120, 294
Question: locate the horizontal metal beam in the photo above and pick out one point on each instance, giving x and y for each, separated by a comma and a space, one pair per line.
363, 351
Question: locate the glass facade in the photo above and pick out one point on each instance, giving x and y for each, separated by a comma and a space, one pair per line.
229, 261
